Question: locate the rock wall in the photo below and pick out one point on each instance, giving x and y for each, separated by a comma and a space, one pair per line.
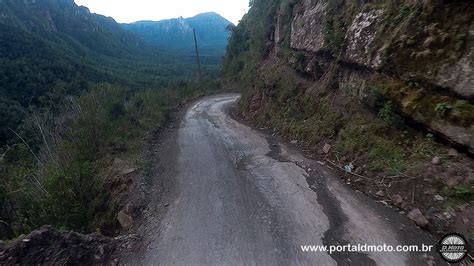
419, 55
375, 86
307, 27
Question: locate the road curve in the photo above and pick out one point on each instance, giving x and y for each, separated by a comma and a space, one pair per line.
245, 198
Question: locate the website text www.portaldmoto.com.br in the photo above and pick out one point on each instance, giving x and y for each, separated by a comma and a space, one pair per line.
367, 248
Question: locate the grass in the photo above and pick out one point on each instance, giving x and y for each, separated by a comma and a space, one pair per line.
387, 157
385, 144
360, 137
460, 192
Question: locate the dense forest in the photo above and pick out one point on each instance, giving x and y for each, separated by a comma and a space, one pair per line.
52, 48
74, 86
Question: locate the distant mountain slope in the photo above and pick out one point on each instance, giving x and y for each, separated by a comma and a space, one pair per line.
63, 22
53, 48
178, 33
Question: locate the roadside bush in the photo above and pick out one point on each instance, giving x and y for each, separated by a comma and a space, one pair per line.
59, 182
57, 176
389, 116
443, 108
100, 118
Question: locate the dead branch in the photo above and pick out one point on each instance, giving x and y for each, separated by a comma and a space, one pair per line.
26, 144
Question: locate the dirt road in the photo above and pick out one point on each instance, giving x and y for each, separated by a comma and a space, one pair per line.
242, 197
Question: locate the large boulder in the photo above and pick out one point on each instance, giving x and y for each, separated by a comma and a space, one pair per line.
47, 246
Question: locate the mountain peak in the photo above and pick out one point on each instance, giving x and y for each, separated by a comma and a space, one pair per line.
211, 13
210, 16
177, 33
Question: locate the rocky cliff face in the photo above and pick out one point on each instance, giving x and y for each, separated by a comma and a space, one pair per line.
429, 46
418, 55
387, 85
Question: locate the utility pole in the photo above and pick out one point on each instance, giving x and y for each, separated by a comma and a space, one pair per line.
197, 55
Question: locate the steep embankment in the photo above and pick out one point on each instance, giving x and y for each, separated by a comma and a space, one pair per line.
375, 87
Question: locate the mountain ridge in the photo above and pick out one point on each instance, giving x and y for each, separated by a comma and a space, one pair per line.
211, 31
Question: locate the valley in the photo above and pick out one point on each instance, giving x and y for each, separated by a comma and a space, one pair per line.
75, 89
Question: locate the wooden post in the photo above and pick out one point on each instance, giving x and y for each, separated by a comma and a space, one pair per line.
197, 55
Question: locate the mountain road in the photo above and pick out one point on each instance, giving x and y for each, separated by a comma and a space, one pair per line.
242, 197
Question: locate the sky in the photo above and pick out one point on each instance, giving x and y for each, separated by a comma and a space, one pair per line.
126, 11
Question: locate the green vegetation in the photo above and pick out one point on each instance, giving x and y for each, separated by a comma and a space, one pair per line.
334, 35
458, 192
421, 37
443, 108
60, 181
248, 44
42, 59
76, 91
384, 149
389, 116
425, 147
384, 143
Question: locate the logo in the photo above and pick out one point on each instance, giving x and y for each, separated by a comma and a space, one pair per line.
453, 248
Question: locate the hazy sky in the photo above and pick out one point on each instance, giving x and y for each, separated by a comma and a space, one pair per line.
126, 11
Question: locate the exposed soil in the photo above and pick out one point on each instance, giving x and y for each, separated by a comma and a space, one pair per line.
156, 194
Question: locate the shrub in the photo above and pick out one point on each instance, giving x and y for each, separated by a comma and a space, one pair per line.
443, 108
389, 116
59, 180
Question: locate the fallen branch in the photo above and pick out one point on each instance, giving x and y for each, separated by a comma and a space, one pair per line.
403, 180
7, 149
16, 191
